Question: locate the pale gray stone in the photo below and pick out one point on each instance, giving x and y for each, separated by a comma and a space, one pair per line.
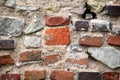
107, 55
24, 7
32, 41
10, 3
11, 26
33, 27
116, 29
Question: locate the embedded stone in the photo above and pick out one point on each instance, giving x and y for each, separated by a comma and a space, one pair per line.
11, 26
100, 26
89, 76
111, 75
33, 27
112, 10
58, 36
107, 55
30, 55
56, 21
96, 5
6, 44
32, 42
116, 30
54, 7
81, 25
10, 3
11, 77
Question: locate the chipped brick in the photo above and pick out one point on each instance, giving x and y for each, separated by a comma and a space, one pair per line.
6, 59
61, 75
56, 21
35, 75
6, 44
89, 76
51, 59
91, 41
81, 25
11, 77
30, 55
112, 10
111, 76
58, 36
114, 40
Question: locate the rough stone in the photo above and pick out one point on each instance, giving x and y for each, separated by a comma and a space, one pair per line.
111, 75
11, 26
33, 27
6, 44
56, 21
114, 40
35, 75
50, 59
32, 42
79, 10
74, 48
78, 58
61, 75
89, 76
30, 55
100, 26
107, 55
6, 59
11, 77
116, 29
81, 25
54, 7
58, 36
112, 10
96, 5
11, 3
91, 41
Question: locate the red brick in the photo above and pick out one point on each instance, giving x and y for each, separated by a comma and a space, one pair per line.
58, 36
56, 21
10, 76
61, 75
91, 41
6, 59
35, 75
111, 76
114, 40
30, 55
51, 59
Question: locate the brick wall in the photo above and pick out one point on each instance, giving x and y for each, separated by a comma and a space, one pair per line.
59, 40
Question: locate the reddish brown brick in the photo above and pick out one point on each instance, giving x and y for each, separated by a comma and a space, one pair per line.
111, 76
61, 75
56, 21
11, 77
6, 59
91, 41
58, 36
30, 55
51, 59
114, 40
35, 75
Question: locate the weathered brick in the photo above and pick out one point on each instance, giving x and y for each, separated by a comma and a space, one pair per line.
91, 41
6, 44
112, 10
35, 75
81, 25
61, 75
111, 76
6, 59
58, 36
78, 58
89, 76
51, 59
30, 55
11, 77
56, 21
114, 40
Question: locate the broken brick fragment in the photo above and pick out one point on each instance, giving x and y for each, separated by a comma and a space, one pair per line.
114, 40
